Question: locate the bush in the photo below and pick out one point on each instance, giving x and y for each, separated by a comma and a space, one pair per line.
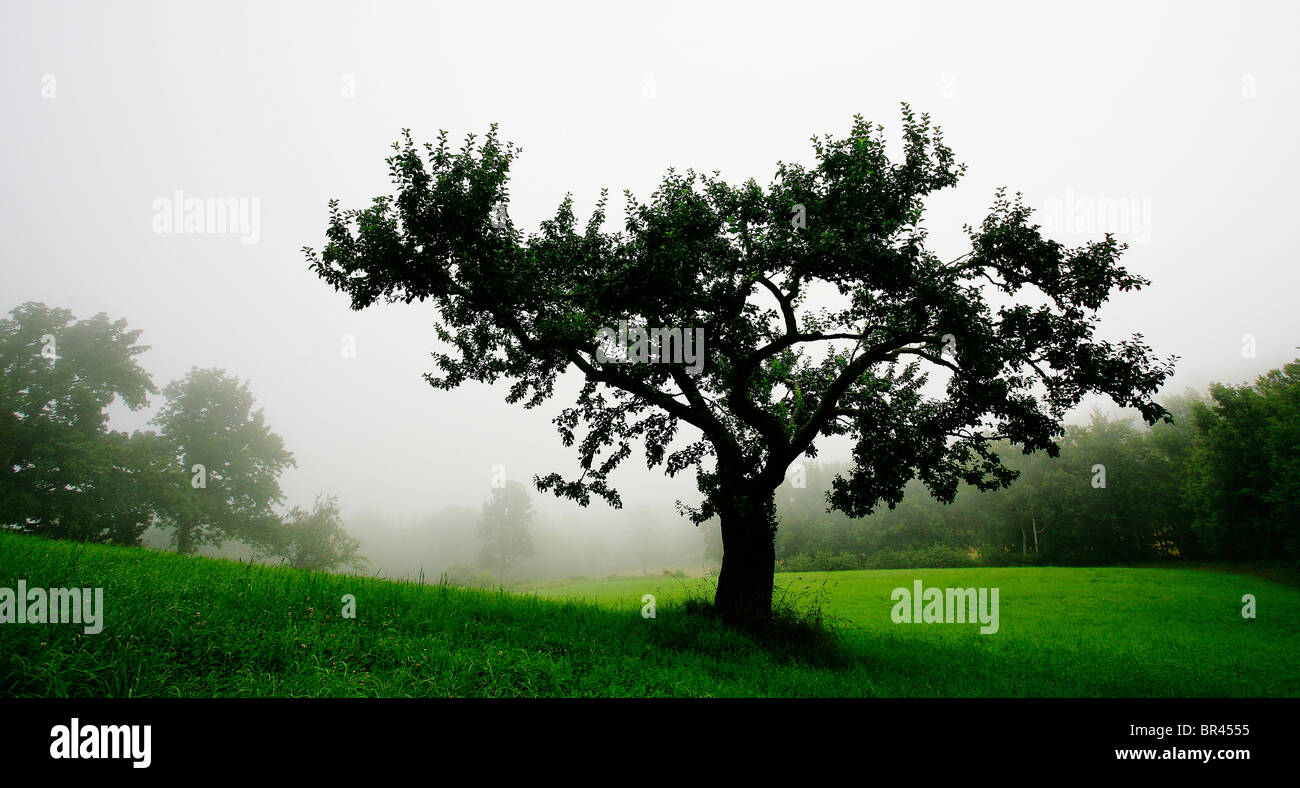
935, 556
996, 557
315, 540
823, 561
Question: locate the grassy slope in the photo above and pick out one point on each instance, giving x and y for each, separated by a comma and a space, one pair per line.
192, 626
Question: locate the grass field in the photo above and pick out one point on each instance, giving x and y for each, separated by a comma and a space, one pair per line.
190, 626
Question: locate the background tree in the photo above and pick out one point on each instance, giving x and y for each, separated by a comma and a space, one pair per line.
1171, 448
1244, 479
316, 539
749, 266
1095, 500
230, 459
62, 472
503, 529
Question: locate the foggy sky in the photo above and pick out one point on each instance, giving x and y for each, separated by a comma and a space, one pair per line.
1187, 114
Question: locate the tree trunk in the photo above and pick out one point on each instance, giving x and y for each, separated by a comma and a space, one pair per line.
184, 538
744, 597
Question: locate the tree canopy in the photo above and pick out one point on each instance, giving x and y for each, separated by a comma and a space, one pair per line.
64, 474
503, 529
210, 473
784, 366
230, 459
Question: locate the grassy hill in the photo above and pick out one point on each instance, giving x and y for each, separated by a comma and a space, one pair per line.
177, 625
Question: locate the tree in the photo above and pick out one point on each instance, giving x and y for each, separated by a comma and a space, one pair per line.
1101, 492
1244, 483
62, 472
824, 315
317, 539
230, 462
1172, 449
504, 528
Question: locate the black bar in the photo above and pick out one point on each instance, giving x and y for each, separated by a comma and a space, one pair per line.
322, 736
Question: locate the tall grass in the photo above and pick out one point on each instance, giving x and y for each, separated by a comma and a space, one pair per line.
188, 626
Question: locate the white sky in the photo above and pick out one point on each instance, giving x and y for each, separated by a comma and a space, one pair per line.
1187, 113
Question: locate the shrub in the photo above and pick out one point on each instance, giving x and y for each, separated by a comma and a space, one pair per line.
933, 556
996, 557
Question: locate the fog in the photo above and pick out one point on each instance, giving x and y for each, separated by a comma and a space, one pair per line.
1106, 116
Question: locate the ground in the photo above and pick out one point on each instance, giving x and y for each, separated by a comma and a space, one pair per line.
191, 626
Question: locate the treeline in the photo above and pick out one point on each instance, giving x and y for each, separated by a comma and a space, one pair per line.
206, 476
209, 472
1221, 482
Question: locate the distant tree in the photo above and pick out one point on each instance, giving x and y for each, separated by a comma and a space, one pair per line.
1244, 486
315, 539
1032, 506
1172, 451
1105, 508
230, 462
503, 529
808, 528
1010, 325
62, 472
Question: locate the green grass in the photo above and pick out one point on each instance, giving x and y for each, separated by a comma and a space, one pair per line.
189, 626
